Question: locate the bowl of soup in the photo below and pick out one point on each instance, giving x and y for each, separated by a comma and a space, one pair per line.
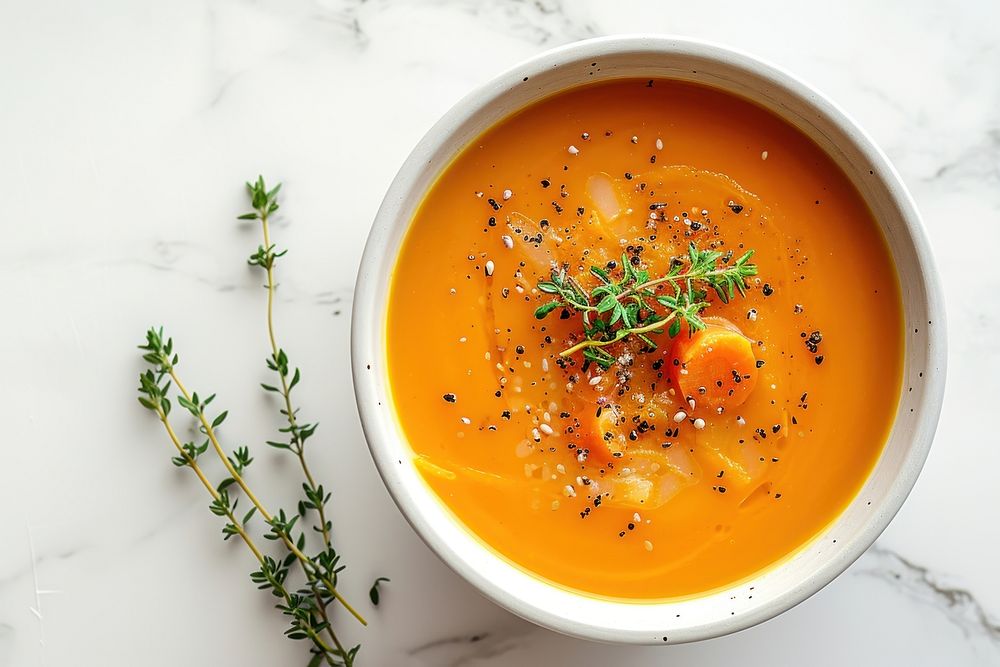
648, 344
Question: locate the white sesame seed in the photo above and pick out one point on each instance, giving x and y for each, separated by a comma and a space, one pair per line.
546, 416
561, 469
659, 144
741, 421
535, 435
507, 194
545, 365
462, 339
479, 194
546, 429
635, 139
573, 150
774, 386
699, 423
569, 491
680, 416
637, 518
763, 155
508, 242
453, 291
596, 380
691, 403
466, 421
752, 314
704, 211
490, 267
648, 545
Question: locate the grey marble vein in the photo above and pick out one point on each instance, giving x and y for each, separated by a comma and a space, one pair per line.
959, 605
466, 649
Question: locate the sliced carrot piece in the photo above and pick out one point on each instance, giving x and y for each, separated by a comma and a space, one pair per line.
603, 437
715, 366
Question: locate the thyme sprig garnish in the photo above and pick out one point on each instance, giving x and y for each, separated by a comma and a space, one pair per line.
632, 303
306, 606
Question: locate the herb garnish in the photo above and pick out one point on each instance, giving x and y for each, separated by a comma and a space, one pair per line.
306, 606
627, 306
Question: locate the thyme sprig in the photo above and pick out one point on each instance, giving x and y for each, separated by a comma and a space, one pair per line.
632, 303
306, 605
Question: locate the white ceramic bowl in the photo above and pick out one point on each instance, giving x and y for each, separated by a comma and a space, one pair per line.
796, 578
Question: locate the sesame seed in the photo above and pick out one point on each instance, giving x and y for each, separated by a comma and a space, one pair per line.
763, 155
466, 421
635, 139
691, 403
741, 421
637, 518
545, 365
546, 429
462, 339
535, 435
596, 380
648, 545
546, 416
659, 144
680, 416
699, 423
555, 505
752, 314
507, 194
569, 491
508, 242
573, 150
490, 267
479, 194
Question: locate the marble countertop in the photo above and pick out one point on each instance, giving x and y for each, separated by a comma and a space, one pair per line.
126, 129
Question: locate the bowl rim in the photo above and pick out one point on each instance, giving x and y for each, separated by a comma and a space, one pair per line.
368, 324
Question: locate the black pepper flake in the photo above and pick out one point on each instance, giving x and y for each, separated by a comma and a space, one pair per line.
494, 204
450, 398
813, 341
775, 428
767, 289
505, 415
546, 182
819, 359
760, 363
736, 208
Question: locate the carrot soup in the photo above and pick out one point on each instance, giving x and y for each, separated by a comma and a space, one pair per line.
645, 339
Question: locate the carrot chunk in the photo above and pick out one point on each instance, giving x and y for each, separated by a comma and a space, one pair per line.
715, 366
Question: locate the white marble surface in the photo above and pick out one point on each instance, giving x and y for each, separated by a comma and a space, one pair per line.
125, 130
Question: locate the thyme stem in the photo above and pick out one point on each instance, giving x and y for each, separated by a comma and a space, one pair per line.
241, 531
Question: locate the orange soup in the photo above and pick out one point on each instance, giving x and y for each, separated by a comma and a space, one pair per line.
597, 378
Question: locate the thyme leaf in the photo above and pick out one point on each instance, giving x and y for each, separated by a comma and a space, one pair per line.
632, 303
